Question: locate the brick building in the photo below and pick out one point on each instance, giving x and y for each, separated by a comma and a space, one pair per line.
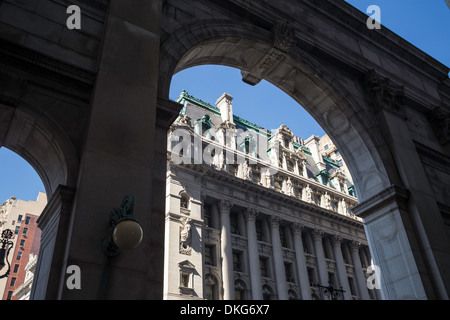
20, 216
28, 240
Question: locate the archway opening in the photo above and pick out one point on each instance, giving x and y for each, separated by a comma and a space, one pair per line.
263, 106
23, 200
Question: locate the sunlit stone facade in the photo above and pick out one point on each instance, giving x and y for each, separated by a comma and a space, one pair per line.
255, 214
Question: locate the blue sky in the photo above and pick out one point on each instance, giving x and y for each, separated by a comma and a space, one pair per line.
424, 23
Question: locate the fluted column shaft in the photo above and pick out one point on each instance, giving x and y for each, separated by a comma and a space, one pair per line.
302, 270
320, 256
226, 251
359, 274
255, 271
340, 266
280, 274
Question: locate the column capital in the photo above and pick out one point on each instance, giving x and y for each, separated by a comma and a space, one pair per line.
317, 234
337, 240
274, 221
297, 228
355, 245
225, 206
250, 214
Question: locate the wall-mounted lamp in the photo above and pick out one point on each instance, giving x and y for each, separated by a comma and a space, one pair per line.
5, 242
127, 232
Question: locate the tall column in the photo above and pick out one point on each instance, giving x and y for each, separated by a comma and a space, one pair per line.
255, 272
361, 281
340, 266
277, 252
320, 256
305, 288
226, 250
118, 157
54, 222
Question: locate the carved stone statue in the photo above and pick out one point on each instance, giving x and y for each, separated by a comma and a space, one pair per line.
327, 201
308, 194
289, 187
185, 236
245, 171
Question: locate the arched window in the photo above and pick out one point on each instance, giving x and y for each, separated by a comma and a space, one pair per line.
239, 290
267, 292
211, 289
184, 202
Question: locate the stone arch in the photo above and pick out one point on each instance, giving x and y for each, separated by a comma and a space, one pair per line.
45, 146
334, 101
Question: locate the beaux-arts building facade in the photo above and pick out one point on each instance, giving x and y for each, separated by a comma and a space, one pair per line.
243, 224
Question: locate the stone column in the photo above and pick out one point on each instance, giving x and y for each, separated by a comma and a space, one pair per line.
320, 256
414, 225
255, 272
118, 157
277, 251
361, 281
54, 222
340, 266
305, 288
226, 250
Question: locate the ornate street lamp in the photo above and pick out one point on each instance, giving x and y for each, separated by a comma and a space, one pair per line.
126, 233
6, 246
331, 292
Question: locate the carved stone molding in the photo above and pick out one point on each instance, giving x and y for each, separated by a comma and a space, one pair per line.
382, 94
440, 123
283, 42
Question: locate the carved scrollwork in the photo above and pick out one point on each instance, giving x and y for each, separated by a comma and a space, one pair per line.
383, 94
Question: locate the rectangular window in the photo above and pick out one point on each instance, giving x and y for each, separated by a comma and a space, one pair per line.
207, 215
19, 255
259, 230
13, 282
22, 243
288, 272
24, 233
210, 255
311, 276
9, 295
352, 286
16, 231
234, 224
16, 268
283, 237
264, 267
27, 220
19, 218
237, 261
185, 280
